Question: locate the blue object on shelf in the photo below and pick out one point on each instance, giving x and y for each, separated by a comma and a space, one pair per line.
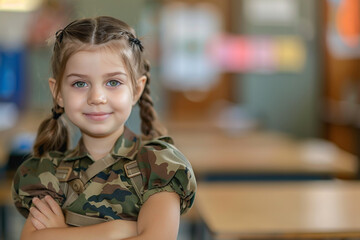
12, 76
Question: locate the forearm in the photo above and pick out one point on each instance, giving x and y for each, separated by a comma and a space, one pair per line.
158, 232
150, 236
117, 229
159, 218
79, 233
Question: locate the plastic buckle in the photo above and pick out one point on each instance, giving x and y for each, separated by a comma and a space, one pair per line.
63, 173
77, 185
131, 166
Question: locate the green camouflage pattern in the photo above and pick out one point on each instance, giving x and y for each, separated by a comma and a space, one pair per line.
109, 194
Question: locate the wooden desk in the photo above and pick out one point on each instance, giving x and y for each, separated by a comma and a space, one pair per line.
5, 192
27, 122
212, 151
320, 209
5, 201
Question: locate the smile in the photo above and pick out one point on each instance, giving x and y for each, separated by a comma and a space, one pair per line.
97, 116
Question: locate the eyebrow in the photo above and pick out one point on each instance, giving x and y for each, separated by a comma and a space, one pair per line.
105, 75
114, 74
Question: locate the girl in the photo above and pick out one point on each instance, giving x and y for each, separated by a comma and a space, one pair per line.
122, 186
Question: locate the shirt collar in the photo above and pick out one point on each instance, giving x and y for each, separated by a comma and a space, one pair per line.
125, 146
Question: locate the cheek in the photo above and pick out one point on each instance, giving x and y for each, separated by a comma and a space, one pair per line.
72, 100
122, 101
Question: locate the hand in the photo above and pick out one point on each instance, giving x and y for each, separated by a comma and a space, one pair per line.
47, 214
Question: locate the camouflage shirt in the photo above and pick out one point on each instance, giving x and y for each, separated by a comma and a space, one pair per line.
109, 194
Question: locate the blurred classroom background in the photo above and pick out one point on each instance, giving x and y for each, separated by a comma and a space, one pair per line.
261, 96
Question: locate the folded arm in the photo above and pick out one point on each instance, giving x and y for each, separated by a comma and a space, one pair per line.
116, 229
46, 221
159, 218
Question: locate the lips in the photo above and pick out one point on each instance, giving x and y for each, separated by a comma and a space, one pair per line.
97, 116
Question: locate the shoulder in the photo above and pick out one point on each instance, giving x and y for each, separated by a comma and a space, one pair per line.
165, 168
36, 169
35, 177
44, 163
162, 153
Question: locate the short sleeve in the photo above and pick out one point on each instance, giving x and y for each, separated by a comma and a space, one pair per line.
165, 168
35, 177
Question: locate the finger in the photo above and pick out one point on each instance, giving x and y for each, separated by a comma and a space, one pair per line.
42, 207
54, 206
37, 224
35, 213
44, 201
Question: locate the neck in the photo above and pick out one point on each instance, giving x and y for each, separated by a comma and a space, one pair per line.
99, 147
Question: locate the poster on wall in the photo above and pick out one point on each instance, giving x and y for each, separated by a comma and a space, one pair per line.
185, 32
259, 54
343, 28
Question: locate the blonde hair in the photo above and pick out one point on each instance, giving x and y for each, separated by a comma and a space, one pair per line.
83, 34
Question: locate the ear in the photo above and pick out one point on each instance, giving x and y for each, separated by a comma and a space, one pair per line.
52, 85
139, 88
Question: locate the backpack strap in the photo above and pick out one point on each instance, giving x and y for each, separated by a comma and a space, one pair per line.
133, 172
95, 168
64, 173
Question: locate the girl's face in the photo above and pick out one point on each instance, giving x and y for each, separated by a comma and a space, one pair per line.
97, 93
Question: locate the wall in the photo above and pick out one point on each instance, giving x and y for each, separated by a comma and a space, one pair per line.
288, 102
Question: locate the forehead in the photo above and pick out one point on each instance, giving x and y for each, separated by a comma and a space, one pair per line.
95, 60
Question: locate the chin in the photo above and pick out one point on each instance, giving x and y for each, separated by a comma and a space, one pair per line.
97, 134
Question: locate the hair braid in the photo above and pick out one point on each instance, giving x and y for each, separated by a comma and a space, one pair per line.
149, 124
52, 135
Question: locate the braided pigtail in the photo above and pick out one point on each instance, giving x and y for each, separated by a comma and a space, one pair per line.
52, 134
150, 126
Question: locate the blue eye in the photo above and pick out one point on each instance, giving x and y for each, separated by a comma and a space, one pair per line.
113, 83
80, 84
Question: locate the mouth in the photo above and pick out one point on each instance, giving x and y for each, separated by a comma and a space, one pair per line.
97, 116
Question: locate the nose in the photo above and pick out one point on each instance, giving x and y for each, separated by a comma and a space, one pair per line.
96, 96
